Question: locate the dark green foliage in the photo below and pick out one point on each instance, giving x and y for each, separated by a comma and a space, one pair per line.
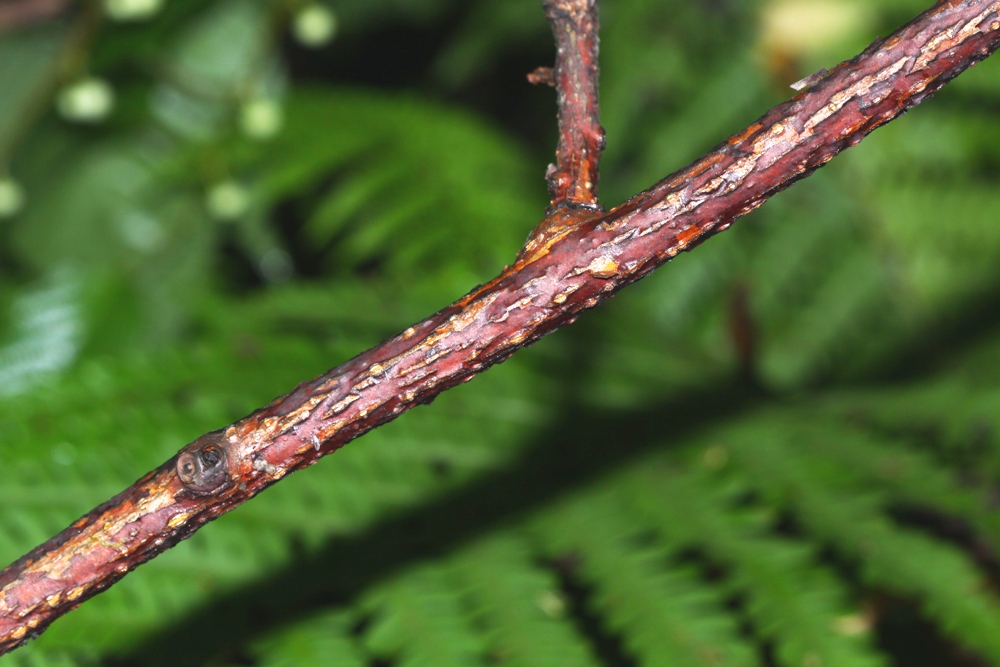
651, 486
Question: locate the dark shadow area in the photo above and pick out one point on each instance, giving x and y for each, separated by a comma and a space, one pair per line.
954, 529
941, 347
392, 54
913, 641
585, 444
607, 647
401, 56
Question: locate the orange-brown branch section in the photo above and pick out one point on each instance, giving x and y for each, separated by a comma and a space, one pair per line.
556, 277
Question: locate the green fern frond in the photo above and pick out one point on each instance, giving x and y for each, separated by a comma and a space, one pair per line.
420, 622
878, 463
771, 535
665, 613
519, 605
418, 206
949, 587
791, 599
324, 641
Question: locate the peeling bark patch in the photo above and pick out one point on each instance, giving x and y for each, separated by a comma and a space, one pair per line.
862, 87
809, 81
519, 304
341, 405
955, 36
685, 236
603, 267
260, 465
561, 297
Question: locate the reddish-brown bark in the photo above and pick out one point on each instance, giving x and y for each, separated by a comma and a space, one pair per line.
573, 180
575, 265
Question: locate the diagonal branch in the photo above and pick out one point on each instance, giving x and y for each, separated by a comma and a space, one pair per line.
557, 276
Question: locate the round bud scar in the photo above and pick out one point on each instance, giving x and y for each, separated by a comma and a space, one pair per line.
202, 466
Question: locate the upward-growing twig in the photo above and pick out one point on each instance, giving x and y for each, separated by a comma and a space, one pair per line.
573, 179
561, 272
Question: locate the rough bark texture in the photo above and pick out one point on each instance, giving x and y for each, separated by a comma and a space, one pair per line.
576, 264
573, 181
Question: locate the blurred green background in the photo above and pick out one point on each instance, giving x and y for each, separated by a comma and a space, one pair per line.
780, 450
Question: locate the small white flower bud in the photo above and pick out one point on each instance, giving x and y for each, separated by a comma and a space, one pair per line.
261, 118
132, 10
11, 197
86, 101
315, 25
227, 200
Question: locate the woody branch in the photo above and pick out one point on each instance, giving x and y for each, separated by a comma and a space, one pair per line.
573, 179
574, 265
